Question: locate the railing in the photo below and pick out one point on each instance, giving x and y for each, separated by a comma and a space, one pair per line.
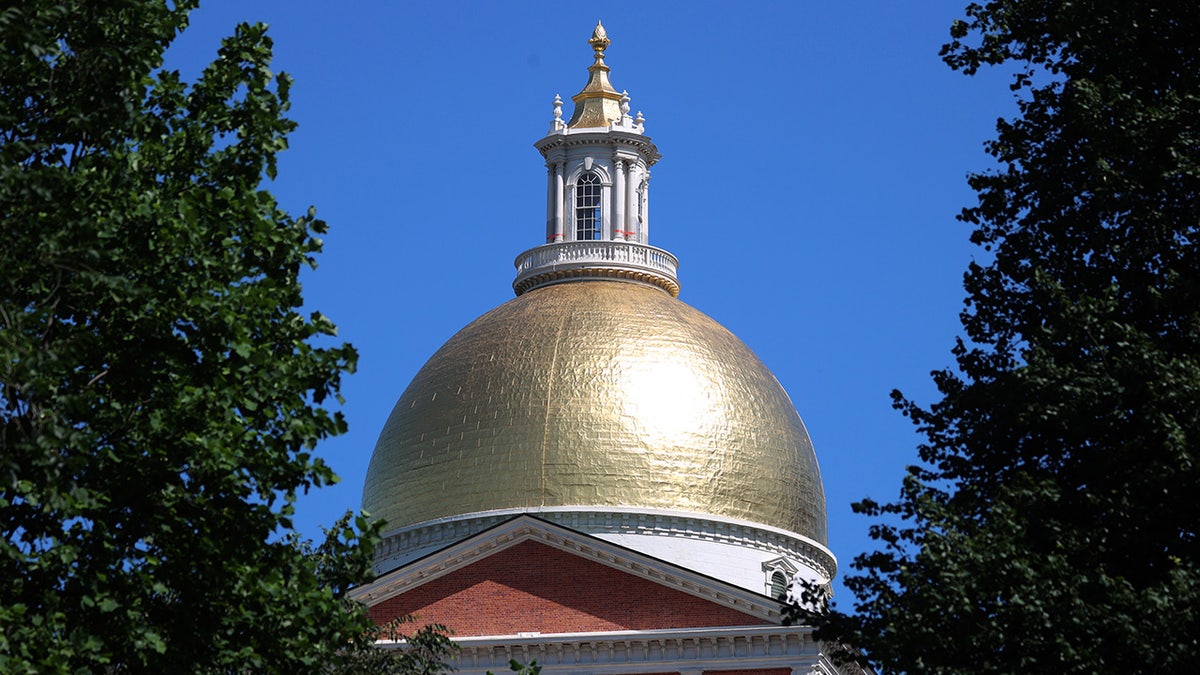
570, 255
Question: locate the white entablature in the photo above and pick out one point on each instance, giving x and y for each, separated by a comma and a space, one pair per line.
598, 184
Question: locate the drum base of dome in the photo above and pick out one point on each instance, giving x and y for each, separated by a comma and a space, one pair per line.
741, 553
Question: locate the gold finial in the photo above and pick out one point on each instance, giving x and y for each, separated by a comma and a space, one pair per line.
599, 41
598, 104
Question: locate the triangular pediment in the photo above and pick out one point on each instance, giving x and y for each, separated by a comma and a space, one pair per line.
530, 575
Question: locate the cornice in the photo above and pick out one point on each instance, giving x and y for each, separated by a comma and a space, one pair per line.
626, 520
558, 276
691, 650
569, 138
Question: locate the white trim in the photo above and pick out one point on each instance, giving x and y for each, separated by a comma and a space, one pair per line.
596, 138
668, 513
599, 167
618, 652
402, 545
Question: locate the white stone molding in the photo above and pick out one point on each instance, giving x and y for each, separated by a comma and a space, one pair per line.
598, 138
636, 528
692, 650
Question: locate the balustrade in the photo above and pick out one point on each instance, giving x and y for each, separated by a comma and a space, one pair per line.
582, 252
620, 255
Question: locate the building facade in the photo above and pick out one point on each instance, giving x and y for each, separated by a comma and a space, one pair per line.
595, 475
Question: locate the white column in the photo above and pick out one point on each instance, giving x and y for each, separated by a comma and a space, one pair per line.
618, 199
549, 202
644, 235
631, 187
558, 201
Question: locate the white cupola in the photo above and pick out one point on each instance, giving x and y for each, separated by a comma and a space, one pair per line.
597, 205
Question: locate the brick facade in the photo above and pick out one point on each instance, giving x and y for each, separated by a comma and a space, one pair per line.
532, 587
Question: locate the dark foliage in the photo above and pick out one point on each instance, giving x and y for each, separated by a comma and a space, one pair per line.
160, 394
1052, 523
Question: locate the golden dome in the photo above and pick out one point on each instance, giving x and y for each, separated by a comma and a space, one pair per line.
596, 394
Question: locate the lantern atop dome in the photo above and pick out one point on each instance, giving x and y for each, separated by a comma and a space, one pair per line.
598, 184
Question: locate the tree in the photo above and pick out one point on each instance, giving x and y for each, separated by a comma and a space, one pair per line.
423, 652
1052, 523
161, 391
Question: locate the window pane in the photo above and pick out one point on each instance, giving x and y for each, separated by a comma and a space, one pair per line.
587, 207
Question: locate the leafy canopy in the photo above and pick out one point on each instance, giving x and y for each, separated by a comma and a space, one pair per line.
1052, 523
161, 392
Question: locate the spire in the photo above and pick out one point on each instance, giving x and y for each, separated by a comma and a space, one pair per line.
599, 104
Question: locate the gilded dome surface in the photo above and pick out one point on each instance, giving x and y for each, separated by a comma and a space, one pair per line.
596, 394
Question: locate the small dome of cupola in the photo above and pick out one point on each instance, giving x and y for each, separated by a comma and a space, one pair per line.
598, 192
598, 104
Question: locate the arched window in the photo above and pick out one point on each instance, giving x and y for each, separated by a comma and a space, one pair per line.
587, 207
779, 585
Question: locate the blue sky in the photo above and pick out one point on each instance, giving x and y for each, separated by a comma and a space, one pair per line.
814, 158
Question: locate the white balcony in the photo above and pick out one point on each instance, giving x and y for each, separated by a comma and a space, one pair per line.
564, 261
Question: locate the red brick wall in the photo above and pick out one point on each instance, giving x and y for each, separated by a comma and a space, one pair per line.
534, 587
